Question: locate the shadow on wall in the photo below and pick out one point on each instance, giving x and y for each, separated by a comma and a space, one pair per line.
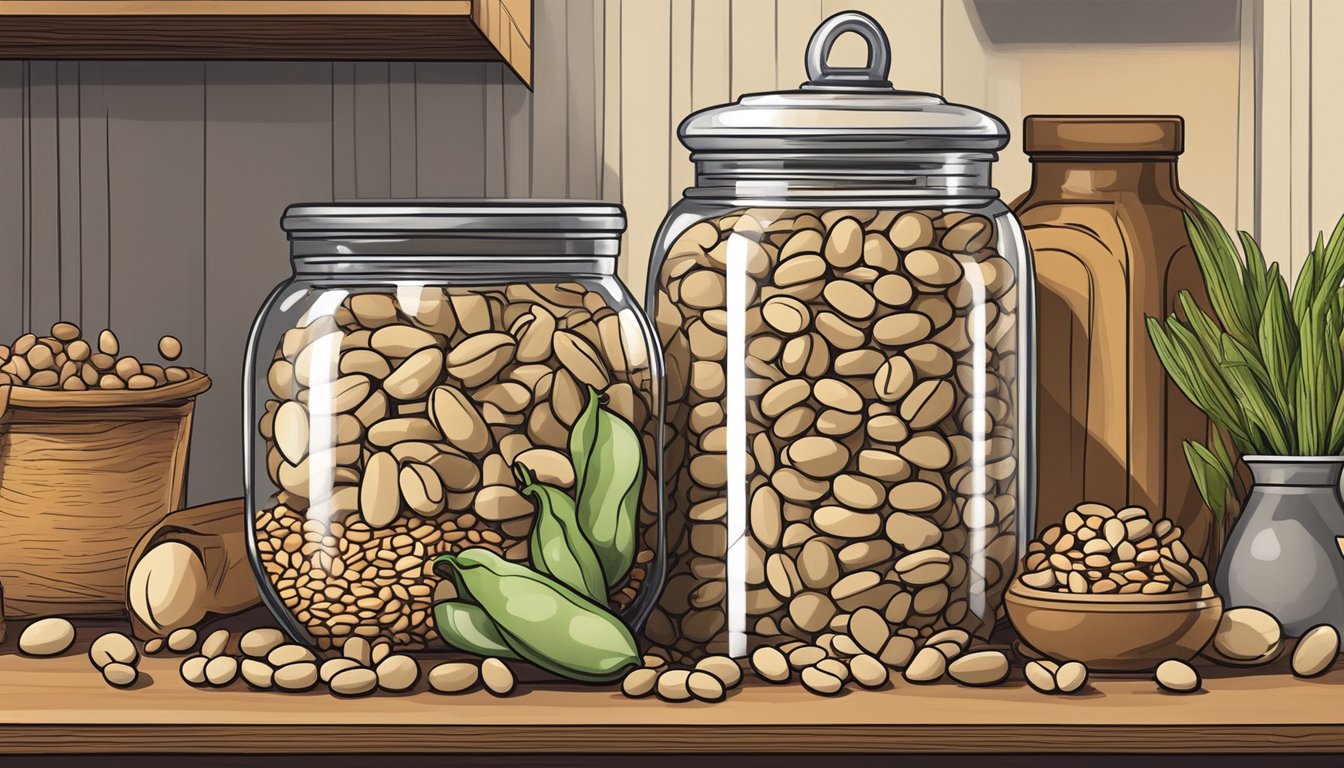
1099, 22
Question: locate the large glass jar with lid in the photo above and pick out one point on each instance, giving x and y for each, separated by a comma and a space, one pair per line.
845, 307
419, 356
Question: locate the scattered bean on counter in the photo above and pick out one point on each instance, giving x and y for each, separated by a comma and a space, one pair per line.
182, 640
497, 677
221, 670
47, 637
120, 675
454, 677
215, 643
1316, 651
979, 668
113, 647
1177, 677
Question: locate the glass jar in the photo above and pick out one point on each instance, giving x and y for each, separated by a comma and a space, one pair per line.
845, 307
419, 354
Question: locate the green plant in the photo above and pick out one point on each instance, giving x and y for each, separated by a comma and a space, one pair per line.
1269, 371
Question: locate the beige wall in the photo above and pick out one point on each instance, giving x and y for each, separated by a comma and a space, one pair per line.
147, 195
1259, 147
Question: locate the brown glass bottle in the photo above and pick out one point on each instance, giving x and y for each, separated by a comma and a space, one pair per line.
1104, 220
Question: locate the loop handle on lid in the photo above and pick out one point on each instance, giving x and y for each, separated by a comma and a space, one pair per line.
822, 75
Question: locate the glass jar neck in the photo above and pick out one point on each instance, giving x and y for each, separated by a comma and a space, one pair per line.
834, 176
458, 258
1105, 176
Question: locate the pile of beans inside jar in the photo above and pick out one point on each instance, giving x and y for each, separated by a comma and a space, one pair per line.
880, 370
429, 399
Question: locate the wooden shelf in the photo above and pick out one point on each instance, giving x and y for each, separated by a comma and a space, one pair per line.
61, 705
381, 30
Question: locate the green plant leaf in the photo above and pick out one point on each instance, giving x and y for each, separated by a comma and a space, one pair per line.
1250, 382
1222, 271
1335, 443
1268, 365
1278, 342
1212, 478
1204, 328
1257, 279
1198, 377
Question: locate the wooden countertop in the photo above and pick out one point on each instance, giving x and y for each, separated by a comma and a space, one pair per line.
61, 705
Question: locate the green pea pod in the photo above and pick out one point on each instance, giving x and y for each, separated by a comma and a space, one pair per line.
608, 476
544, 621
466, 627
557, 545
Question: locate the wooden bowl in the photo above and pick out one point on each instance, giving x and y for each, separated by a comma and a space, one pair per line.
1114, 633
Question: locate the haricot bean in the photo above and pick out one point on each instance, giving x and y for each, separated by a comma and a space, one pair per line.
879, 356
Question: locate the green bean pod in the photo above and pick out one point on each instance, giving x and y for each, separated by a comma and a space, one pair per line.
557, 546
466, 627
544, 621
608, 461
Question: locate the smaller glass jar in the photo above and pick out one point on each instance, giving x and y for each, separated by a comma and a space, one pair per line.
418, 354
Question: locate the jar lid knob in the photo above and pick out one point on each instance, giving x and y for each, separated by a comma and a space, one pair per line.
874, 75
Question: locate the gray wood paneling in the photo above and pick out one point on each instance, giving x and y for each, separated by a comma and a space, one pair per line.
582, 151
268, 144
69, 234
156, 165
450, 114
518, 105
95, 223
550, 126
146, 196
343, 130
373, 129
494, 124
13, 205
402, 128
43, 202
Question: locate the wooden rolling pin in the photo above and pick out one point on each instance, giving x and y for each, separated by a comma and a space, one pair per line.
191, 564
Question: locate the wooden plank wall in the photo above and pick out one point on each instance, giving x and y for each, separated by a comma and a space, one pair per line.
147, 195
1259, 103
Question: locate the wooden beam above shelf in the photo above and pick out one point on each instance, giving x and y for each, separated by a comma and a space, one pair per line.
281, 30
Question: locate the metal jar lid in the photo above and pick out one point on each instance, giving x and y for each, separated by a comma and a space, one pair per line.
454, 218
843, 109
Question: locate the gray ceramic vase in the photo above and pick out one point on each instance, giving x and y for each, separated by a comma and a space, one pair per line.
1283, 555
